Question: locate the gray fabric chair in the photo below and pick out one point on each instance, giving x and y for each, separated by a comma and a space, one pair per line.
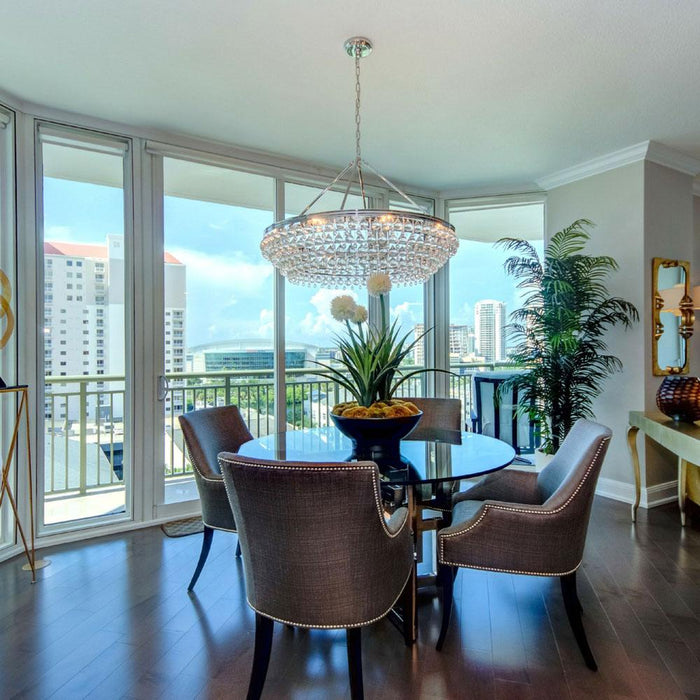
445, 416
527, 523
441, 414
208, 432
339, 567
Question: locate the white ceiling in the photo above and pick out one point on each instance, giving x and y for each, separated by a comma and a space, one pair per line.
457, 94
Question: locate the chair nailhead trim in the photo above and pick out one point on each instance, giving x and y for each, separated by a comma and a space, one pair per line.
369, 468
216, 527
335, 627
510, 571
529, 511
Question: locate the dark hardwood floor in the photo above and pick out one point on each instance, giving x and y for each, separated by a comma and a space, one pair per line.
110, 618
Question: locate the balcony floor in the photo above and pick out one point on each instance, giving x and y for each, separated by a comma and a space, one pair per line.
110, 618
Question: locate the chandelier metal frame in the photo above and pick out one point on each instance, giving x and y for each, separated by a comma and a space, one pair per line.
342, 248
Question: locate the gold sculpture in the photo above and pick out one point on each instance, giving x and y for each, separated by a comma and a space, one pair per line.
6, 309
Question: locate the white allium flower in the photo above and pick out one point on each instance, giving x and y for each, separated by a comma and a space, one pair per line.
343, 308
360, 315
378, 283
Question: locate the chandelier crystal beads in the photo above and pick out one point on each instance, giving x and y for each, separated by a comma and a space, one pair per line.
339, 249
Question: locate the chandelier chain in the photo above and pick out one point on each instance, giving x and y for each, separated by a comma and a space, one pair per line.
358, 152
341, 248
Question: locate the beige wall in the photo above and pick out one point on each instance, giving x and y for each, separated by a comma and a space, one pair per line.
641, 211
695, 278
668, 233
614, 202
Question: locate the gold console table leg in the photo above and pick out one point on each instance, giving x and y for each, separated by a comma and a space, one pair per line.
682, 481
632, 444
33, 563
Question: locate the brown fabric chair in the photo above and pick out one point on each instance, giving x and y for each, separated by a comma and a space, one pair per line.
441, 414
343, 566
527, 523
208, 432
441, 418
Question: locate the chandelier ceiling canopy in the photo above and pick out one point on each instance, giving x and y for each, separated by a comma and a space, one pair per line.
342, 248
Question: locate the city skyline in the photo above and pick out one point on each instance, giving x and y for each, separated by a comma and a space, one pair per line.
230, 285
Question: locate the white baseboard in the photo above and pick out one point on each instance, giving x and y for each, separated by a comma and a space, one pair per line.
650, 497
87, 534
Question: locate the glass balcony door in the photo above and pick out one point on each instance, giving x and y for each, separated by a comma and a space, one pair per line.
85, 276
8, 354
217, 308
481, 294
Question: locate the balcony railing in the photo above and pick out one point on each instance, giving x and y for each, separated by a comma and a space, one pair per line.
84, 428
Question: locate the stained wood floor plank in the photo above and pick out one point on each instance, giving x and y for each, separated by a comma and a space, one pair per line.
111, 618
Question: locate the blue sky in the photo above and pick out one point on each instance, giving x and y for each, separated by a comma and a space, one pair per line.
229, 285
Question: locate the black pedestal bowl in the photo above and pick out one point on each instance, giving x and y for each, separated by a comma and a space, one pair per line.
377, 439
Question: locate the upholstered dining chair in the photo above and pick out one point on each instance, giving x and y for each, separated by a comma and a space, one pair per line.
207, 432
339, 567
443, 414
526, 523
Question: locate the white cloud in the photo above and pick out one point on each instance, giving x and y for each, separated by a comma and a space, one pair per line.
222, 226
58, 233
320, 326
267, 321
233, 274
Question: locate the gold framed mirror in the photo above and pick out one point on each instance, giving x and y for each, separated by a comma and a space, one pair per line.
673, 316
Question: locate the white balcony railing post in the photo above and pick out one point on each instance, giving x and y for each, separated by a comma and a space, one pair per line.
249, 389
83, 436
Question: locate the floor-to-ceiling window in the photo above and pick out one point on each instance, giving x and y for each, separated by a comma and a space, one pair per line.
217, 304
211, 333
408, 311
8, 309
85, 271
309, 326
480, 292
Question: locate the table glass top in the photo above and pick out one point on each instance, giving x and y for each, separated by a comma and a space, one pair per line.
440, 455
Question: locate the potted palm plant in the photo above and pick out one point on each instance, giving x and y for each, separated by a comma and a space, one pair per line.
369, 369
560, 329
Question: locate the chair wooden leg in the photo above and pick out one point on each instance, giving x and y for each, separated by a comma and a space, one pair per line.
354, 644
408, 603
446, 578
206, 546
238, 549
264, 627
573, 612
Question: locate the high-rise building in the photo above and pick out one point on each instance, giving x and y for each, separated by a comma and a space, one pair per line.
461, 342
84, 318
489, 324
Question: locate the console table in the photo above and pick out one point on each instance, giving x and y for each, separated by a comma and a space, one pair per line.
683, 439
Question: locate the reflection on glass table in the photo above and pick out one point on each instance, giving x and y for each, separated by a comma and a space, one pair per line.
449, 456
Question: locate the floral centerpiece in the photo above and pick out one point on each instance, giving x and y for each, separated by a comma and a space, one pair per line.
369, 369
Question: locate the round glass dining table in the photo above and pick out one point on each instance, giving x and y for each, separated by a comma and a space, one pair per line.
428, 456
433, 461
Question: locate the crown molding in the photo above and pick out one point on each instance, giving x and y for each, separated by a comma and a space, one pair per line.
652, 151
595, 166
522, 188
670, 158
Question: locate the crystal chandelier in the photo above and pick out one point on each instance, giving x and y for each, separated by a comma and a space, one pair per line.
342, 248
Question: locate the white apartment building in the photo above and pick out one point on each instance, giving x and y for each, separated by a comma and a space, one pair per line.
462, 342
489, 324
84, 325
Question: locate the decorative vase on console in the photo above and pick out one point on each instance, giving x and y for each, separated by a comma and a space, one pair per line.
369, 369
679, 398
